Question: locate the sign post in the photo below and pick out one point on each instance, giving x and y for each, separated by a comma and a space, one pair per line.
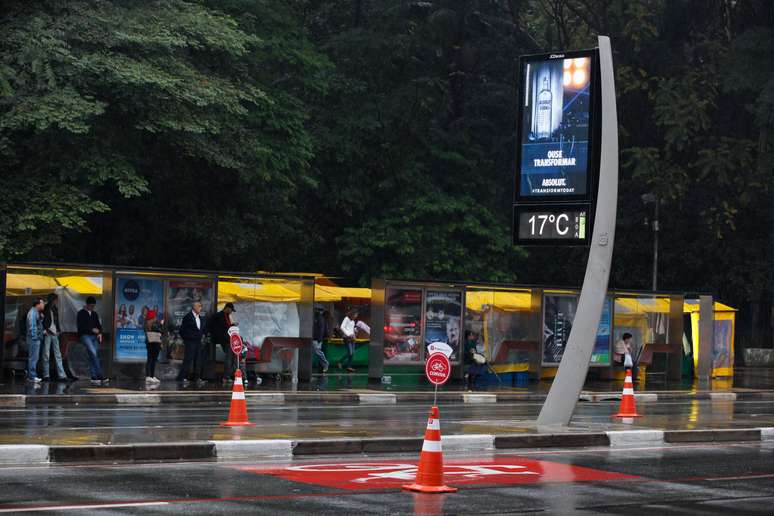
438, 367
236, 342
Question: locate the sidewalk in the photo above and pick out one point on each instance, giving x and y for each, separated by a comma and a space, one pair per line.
748, 384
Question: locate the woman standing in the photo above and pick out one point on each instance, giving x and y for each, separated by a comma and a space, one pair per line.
153, 345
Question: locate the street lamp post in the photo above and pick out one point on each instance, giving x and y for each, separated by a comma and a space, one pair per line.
647, 199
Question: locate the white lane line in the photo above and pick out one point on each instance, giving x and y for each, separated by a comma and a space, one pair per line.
742, 477
84, 506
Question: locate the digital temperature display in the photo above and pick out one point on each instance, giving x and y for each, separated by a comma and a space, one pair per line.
551, 224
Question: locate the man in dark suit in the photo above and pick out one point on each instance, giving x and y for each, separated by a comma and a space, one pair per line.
192, 330
218, 329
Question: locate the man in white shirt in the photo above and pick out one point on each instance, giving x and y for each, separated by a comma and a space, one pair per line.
349, 332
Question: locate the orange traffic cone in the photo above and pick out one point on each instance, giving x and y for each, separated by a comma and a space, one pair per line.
237, 415
430, 473
628, 407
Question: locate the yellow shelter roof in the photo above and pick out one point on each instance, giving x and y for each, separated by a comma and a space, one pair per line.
327, 293
278, 292
503, 300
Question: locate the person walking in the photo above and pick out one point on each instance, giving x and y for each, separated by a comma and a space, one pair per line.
34, 336
349, 333
191, 331
319, 332
624, 348
153, 329
51, 332
90, 335
221, 322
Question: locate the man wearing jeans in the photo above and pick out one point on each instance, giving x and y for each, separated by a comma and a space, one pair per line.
349, 332
319, 332
90, 335
34, 335
51, 331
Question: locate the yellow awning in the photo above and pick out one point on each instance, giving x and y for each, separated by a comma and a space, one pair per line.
718, 307
278, 292
327, 293
81, 284
635, 305
509, 301
29, 284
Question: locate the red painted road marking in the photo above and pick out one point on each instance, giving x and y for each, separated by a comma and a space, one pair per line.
503, 470
86, 504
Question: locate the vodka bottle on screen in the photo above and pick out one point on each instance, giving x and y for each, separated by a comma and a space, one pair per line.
544, 111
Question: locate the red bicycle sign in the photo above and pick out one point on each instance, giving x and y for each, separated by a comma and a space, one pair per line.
438, 369
236, 343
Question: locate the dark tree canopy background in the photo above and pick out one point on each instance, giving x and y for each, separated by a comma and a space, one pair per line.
365, 138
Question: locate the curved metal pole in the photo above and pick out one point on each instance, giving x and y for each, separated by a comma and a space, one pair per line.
564, 393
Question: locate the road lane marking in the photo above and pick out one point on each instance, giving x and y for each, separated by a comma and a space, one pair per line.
82, 506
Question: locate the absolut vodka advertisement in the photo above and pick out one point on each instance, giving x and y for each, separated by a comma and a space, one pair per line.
556, 111
558, 315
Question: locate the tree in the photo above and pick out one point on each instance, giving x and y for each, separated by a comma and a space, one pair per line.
104, 102
416, 145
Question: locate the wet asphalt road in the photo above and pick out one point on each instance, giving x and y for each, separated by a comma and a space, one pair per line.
114, 424
732, 479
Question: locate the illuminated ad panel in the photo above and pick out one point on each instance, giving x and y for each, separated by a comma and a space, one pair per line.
555, 109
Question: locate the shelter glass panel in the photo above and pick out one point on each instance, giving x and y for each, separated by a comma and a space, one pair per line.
268, 307
646, 318
72, 286
503, 323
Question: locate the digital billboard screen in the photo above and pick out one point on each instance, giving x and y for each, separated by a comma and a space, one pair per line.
555, 108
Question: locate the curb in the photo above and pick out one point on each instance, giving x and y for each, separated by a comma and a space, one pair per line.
232, 450
338, 398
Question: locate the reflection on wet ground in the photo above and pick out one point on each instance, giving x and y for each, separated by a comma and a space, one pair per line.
744, 379
113, 424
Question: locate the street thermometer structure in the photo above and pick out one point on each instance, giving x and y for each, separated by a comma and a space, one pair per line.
566, 188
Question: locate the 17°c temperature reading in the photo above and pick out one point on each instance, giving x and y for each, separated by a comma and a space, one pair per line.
560, 223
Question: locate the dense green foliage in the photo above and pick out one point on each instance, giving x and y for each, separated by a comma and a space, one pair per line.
367, 138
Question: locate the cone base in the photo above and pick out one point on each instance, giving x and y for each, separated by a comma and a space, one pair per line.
627, 415
429, 489
229, 423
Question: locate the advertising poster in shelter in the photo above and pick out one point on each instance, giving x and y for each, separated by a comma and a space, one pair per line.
722, 356
443, 312
558, 315
601, 354
181, 295
556, 120
134, 298
402, 325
